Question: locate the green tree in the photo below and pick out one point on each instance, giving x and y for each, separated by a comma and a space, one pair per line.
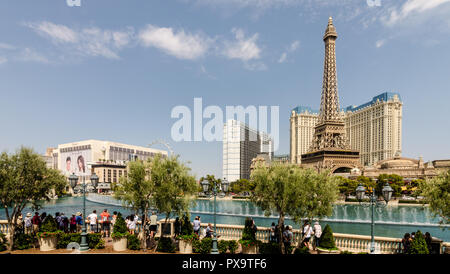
25, 179
136, 190
174, 186
211, 179
436, 192
327, 238
418, 244
290, 190
394, 180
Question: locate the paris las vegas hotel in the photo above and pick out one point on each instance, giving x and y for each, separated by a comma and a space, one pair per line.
374, 128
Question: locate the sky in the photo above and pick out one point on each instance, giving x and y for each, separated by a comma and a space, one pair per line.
114, 70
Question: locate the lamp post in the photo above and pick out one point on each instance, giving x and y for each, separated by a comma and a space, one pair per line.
73, 182
373, 202
216, 183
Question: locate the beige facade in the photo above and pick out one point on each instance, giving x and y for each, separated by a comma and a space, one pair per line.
374, 129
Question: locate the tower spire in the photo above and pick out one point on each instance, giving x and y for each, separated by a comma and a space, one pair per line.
329, 105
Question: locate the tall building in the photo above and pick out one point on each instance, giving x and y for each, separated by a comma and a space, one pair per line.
330, 147
303, 121
81, 157
373, 128
240, 145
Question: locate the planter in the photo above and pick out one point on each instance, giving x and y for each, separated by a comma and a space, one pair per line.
250, 249
48, 243
327, 251
120, 244
185, 247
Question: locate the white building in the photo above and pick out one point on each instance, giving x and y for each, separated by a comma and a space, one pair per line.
78, 157
240, 145
373, 128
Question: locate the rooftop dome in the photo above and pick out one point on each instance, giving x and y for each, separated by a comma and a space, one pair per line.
398, 163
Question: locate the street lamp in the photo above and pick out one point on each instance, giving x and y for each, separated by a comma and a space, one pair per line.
206, 184
73, 182
373, 202
94, 181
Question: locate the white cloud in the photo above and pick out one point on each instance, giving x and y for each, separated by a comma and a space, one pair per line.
243, 48
91, 41
294, 46
282, 57
3, 60
179, 44
256, 66
30, 55
7, 46
412, 7
380, 43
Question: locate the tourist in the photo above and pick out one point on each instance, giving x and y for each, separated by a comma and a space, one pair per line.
287, 239
272, 233
20, 225
153, 224
209, 231
43, 217
428, 240
36, 221
92, 219
58, 221
406, 243
307, 232
132, 224
73, 223
65, 222
317, 230
413, 234
177, 227
277, 234
79, 221
196, 225
105, 223
254, 227
28, 224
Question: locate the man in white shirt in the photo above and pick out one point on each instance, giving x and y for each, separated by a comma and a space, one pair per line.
92, 219
307, 231
153, 224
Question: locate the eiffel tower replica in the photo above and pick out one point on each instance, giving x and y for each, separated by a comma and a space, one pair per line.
330, 148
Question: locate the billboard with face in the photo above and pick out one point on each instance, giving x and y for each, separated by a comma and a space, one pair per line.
76, 162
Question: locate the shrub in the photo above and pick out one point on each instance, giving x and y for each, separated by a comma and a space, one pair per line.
269, 248
2, 242
248, 235
23, 241
222, 245
165, 244
95, 241
327, 239
48, 227
65, 238
301, 250
205, 245
196, 244
418, 244
346, 252
186, 226
232, 246
133, 242
120, 228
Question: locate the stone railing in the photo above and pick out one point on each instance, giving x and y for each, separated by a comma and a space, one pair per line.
345, 242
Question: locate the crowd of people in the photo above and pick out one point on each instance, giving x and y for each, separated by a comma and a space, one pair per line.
408, 239
287, 236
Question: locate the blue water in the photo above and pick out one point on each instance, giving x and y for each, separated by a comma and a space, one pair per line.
392, 221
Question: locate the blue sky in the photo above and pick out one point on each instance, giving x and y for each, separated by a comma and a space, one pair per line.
113, 70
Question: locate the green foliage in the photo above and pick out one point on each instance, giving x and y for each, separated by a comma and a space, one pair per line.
242, 185
120, 227
23, 241
95, 241
3, 242
437, 194
248, 233
49, 225
205, 245
165, 244
299, 193
174, 186
186, 226
301, 250
133, 242
25, 179
347, 186
222, 246
327, 238
232, 246
346, 252
418, 244
196, 244
394, 180
65, 238
269, 248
